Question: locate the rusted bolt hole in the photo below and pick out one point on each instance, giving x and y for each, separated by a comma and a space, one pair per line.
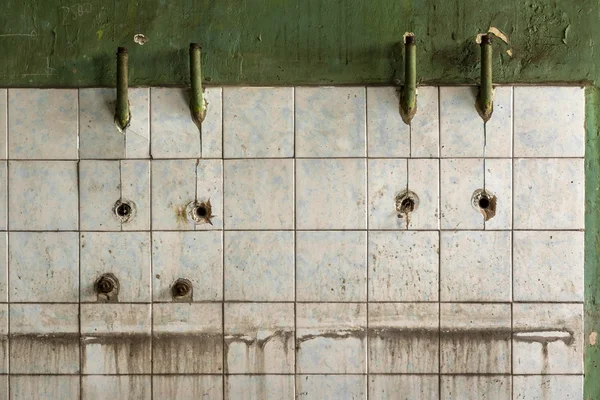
406, 203
107, 284
484, 202
181, 288
200, 212
124, 210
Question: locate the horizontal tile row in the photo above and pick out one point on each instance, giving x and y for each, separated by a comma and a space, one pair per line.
423, 266
253, 122
288, 387
280, 338
287, 194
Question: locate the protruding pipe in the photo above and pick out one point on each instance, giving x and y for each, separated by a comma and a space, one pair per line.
485, 98
408, 99
122, 115
197, 104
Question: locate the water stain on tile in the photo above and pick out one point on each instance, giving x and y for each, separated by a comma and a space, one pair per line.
188, 353
259, 347
53, 353
401, 350
116, 353
476, 350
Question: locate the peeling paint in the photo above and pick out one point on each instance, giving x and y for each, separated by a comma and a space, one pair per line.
593, 338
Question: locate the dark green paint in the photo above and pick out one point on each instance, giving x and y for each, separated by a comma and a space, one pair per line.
277, 42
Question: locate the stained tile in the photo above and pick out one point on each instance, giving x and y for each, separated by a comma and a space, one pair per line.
3, 122
475, 338
548, 266
259, 194
338, 259
46, 333
461, 127
538, 387
3, 267
331, 194
116, 387
126, 255
43, 195
403, 266
404, 387
558, 181
388, 186
330, 122
403, 338
252, 256
549, 121
548, 338
459, 181
174, 133
177, 184
259, 387
258, 122
195, 256
187, 387
48, 133
4, 387
332, 387
47, 387
331, 338
259, 338
3, 195
389, 136
4, 345
498, 183
99, 136
116, 339
44, 267
188, 338
475, 387
475, 266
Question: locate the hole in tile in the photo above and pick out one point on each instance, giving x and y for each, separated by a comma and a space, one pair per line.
124, 210
200, 212
182, 289
107, 288
406, 203
484, 202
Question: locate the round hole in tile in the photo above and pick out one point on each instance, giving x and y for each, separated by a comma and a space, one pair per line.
181, 288
484, 202
124, 210
407, 202
199, 212
107, 286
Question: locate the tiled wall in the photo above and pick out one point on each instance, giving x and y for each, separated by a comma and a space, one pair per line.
306, 283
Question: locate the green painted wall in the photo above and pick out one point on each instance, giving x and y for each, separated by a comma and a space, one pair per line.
72, 43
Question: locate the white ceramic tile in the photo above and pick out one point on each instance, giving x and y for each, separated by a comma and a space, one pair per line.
461, 127
187, 338
389, 136
475, 338
43, 195
459, 180
258, 122
540, 387
404, 387
181, 387
212, 126
331, 194
548, 266
331, 387
42, 123
548, 338
195, 256
46, 333
259, 194
4, 387
259, 266
403, 338
3, 195
498, 183
126, 255
549, 193
331, 338
4, 347
100, 189
549, 121
116, 387
331, 266
330, 122
116, 339
259, 338
47, 387
403, 266
44, 267
99, 136
3, 122
475, 387
475, 266
175, 186
259, 387
387, 184
3, 267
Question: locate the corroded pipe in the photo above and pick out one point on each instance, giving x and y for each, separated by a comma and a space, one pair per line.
122, 115
197, 103
485, 100
408, 99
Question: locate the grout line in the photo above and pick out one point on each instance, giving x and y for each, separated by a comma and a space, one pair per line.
80, 346
439, 248
151, 247
512, 226
223, 343
295, 253
7, 258
366, 260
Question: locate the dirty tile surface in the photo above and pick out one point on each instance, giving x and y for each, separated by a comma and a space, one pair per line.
301, 243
